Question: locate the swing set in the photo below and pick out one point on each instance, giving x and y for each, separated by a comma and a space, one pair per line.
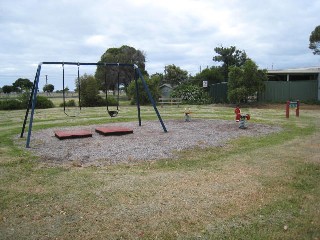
113, 113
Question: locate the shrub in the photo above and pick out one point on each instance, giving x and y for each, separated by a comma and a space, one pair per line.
22, 103
112, 101
11, 104
89, 92
44, 102
153, 86
69, 103
191, 94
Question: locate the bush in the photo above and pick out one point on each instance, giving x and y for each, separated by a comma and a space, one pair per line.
191, 94
99, 101
11, 104
89, 93
69, 103
22, 103
112, 101
153, 86
44, 102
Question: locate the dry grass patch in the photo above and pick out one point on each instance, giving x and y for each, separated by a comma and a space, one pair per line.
249, 190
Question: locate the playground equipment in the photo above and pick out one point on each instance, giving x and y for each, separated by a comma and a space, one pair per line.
243, 121
34, 91
113, 113
64, 94
106, 131
292, 104
237, 111
187, 113
72, 134
241, 118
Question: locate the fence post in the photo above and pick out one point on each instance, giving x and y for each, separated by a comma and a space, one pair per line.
287, 109
298, 108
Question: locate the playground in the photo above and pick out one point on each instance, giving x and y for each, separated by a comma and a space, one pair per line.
146, 143
217, 181
163, 175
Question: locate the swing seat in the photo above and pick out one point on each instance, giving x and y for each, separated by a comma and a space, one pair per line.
113, 113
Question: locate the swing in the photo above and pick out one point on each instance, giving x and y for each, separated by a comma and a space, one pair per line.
64, 97
112, 113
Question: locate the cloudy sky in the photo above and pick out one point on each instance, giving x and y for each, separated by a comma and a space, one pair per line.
275, 34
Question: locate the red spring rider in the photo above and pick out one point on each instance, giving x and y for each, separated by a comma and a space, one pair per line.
237, 111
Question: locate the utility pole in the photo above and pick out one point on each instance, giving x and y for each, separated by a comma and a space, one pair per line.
46, 79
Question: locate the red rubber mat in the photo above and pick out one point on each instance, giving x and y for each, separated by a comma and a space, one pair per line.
107, 131
72, 134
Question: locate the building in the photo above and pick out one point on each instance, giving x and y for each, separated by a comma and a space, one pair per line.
292, 84
166, 90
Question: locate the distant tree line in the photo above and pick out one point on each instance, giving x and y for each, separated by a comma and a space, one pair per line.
22, 86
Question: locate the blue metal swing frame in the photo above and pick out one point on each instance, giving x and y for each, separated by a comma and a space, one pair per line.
33, 96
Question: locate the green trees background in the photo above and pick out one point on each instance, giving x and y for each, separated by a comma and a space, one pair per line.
314, 41
244, 81
241, 73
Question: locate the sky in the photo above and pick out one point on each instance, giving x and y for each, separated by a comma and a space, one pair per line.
275, 34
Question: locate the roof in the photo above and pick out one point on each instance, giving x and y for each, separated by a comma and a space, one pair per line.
296, 70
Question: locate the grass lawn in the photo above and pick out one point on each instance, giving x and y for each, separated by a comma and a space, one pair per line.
252, 188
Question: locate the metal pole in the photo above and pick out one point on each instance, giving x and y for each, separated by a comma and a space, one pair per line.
151, 99
136, 76
79, 89
34, 102
28, 107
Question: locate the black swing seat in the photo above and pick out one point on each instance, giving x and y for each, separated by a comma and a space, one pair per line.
113, 113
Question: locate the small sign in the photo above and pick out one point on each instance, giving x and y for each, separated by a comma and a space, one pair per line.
205, 83
293, 104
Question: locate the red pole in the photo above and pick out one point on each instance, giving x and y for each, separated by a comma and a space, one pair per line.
297, 109
287, 109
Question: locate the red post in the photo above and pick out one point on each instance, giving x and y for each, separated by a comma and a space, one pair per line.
298, 108
287, 109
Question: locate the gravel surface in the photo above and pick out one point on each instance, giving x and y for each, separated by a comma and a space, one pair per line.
148, 142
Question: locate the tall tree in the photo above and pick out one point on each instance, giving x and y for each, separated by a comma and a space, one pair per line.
153, 83
212, 75
89, 91
48, 88
22, 84
315, 41
245, 81
230, 56
7, 89
124, 54
174, 75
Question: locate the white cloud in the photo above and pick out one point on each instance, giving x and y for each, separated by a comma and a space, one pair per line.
183, 33
95, 40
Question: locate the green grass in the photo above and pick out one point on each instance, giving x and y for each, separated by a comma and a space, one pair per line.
252, 188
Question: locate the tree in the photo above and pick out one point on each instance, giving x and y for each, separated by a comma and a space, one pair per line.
315, 41
22, 84
89, 91
229, 57
153, 85
245, 81
212, 75
174, 75
191, 94
124, 54
7, 89
48, 88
